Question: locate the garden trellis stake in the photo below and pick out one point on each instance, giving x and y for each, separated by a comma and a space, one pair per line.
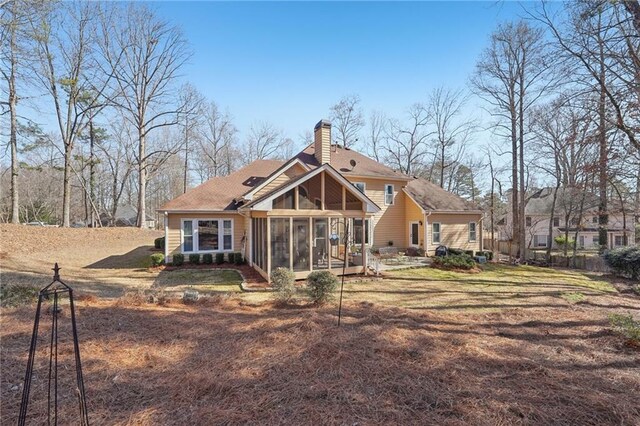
54, 290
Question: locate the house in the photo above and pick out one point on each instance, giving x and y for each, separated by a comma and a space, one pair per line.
567, 218
299, 213
126, 215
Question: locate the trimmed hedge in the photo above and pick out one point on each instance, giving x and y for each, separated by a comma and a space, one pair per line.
231, 257
624, 261
207, 258
455, 251
159, 243
320, 286
178, 259
239, 259
454, 261
219, 258
194, 258
157, 259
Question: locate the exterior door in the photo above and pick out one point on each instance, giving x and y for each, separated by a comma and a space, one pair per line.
414, 234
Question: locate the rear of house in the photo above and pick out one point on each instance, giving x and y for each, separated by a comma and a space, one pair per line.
301, 213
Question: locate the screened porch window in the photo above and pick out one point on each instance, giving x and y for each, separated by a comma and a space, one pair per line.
285, 201
207, 235
357, 231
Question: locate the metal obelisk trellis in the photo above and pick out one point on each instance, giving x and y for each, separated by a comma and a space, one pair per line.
54, 290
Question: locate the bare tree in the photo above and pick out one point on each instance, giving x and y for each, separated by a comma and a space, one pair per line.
190, 119
511, 76
377, 130
347, 120
153, 52
264, 141
216, 136
406, 142
451, 130
68, 68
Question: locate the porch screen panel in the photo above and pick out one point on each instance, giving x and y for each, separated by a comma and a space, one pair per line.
280, 243
208, 234
301, 244
320, 242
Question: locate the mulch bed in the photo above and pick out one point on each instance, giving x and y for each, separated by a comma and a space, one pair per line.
224, 362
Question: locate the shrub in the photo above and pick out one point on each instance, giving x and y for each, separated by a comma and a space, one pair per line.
238, 259
219, 258
454, 261
627, 326
469, 253
194, 258
178, 259
282, 280
231, 257
157, 259
159, 243
320, 286
455, 251
564, 242
207, 258
624, 261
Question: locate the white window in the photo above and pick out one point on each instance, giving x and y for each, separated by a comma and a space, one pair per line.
618, 240
595, 240
540, 240
207, 235
435, 233
361, 186
556, 221
388, 194
472, 232
527, 220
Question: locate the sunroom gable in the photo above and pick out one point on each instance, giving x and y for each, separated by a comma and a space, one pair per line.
339, 194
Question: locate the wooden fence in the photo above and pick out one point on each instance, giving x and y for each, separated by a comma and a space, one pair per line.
588, 262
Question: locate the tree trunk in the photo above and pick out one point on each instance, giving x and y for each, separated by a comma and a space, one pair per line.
603, 217
13, 135
186, 156
142, 180
92, 172
66, 186
522, 236
515, 211
553, 213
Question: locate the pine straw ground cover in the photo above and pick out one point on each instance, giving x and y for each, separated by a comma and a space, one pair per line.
228, 362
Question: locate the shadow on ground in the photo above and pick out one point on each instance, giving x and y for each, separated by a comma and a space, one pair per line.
138, 258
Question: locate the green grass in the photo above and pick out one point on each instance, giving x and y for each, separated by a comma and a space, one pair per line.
205, 281
496, 287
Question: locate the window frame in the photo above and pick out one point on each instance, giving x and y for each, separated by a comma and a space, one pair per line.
368, 235
433, 241
393, 190
528, 221
364, 186
475, 231
195, 235
556, 219
537, 240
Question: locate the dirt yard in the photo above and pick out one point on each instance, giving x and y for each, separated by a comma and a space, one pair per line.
524, 346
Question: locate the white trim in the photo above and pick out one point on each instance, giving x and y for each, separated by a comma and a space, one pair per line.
393, 194
475, 224
411, 233
194, 231
266, 205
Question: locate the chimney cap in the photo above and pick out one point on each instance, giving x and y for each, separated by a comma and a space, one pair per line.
322, 123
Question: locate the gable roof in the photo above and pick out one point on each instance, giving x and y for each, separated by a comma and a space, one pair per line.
220, 193
260, 202
341, 161
430, 197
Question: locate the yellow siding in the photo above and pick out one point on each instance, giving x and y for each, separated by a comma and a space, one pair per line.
175, 224
454, 231
414, 214
295, 170
390, 220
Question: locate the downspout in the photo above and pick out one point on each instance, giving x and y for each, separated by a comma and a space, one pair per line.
166, 237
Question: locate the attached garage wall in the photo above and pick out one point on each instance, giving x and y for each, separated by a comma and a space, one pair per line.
175, 223
454, 231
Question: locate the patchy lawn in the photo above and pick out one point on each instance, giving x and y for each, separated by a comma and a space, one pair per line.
203, 280
498, 287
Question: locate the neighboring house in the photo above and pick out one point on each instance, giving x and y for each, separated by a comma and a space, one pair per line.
621, 226
126, 215
295, 214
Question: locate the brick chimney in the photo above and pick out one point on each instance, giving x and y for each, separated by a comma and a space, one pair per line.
322, 141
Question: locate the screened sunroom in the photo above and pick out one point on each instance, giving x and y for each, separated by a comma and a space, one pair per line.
315, 222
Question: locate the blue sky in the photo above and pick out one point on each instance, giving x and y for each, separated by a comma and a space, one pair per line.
288, 62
